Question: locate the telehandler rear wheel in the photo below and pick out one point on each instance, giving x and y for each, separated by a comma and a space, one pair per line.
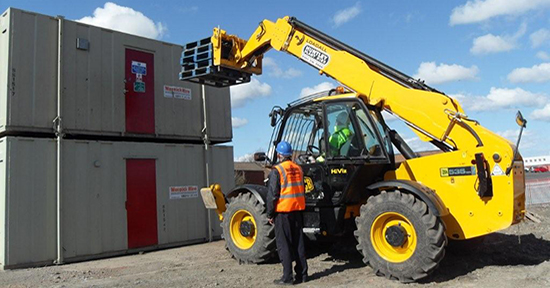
248, 235
399, 237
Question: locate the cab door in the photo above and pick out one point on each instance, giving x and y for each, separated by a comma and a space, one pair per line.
355, 155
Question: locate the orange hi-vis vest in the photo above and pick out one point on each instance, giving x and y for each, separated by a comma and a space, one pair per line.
292, 196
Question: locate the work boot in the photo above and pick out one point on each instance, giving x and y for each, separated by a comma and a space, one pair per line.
282, 282
299, 280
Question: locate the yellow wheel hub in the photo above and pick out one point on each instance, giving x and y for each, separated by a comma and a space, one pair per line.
393, 237
243, 229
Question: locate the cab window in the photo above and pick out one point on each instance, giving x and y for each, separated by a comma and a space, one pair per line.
303, 130
368, 133
377, 117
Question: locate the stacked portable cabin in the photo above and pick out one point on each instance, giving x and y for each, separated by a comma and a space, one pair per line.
103, 149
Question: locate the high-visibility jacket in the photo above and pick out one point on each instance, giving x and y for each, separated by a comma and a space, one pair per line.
341, 135
292, 197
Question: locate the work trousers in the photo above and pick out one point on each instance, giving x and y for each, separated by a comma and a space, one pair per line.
290, 244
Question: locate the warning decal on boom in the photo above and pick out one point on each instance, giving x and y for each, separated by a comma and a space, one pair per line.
314, 56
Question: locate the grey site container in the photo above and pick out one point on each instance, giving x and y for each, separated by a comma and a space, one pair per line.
95, 77
94, 189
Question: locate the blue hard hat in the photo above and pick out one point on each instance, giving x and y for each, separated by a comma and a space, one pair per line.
284, 148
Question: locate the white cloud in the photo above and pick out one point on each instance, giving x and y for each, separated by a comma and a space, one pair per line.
501, 98
291, 73
437, 74
243, 93
490, 43
538, 73
325, 86
479, 10
528, 138
125, 19
245, 158
543, 55
276, 71
539, 37
542, 114
418, 145
346, 15
237, 122
509, 134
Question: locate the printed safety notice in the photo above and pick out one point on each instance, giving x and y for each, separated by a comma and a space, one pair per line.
183, 192
177, 92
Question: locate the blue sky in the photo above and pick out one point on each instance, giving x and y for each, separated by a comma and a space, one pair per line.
493, 55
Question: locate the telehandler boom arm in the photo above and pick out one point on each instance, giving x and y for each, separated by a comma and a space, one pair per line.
433, 115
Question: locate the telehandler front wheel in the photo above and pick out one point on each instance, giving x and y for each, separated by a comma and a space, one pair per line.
248, 235
399, 237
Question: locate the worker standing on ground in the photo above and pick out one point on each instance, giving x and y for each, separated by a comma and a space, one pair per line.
285, 202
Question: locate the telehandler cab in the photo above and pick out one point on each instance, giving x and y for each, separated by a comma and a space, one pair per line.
402, 214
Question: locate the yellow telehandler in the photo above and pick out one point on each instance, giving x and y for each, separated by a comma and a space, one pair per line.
402, 214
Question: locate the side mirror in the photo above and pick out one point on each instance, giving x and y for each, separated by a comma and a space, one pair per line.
259, 156
273, 114
522, 123
273, 119
520, 120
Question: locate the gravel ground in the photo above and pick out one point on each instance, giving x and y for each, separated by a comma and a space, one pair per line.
518, 256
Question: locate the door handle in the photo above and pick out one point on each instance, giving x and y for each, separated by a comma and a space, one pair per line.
124, 91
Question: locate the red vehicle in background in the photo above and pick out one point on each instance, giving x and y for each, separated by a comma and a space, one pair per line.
540, 169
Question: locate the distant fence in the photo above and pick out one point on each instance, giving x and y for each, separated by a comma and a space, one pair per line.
537, 191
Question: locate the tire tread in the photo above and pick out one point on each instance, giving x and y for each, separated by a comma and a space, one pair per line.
264, 249
433, 248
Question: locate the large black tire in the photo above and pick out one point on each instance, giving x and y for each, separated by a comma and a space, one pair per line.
425, 245
259, 247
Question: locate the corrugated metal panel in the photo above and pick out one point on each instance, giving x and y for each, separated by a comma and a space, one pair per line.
93, 82
94, 85
178, 116
89, 189
29, 104
94, 195
181, 218
88, 82
93, 199
218, 114
5, 82
3, 199
30, 225
221, 161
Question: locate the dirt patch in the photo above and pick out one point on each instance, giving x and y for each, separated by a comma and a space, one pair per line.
516, 257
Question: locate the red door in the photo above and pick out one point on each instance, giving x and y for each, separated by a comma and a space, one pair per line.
141, 202
140, 92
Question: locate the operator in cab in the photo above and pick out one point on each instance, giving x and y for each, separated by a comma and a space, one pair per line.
339, 138
342, 134
285, 203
